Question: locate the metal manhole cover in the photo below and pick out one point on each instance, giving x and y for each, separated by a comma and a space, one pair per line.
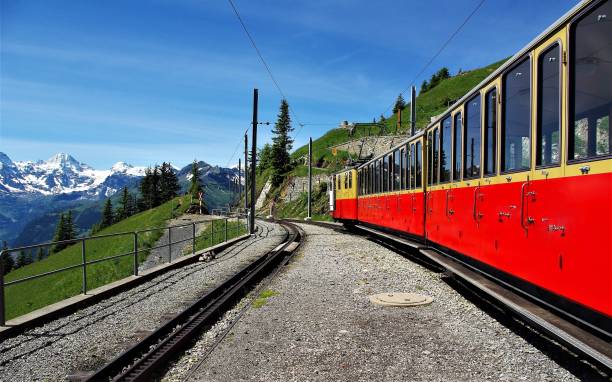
400, 299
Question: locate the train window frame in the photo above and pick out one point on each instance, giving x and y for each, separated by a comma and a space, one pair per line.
538, 133
504, 103
379, 182
485, 158
429, 157
350, 180
571, 101
370, 179
443, 139
390, 172
465, 135
397, 168
457, 158
419, 165
412, 166
436, 154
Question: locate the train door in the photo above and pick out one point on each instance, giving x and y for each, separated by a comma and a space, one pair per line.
417, 149
332, 194
583, 225
513, 191
435, 195
544, 191
490, 214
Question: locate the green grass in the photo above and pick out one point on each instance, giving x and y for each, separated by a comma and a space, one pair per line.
298, 208
263, 298
25, 297
214, 233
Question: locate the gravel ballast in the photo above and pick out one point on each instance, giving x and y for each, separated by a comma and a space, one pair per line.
87, 339
319, 325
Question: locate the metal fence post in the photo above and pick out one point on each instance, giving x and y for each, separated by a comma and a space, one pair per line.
136, 253
84, 288
225, 237
2, 310
193, 237
169, 244
212, 232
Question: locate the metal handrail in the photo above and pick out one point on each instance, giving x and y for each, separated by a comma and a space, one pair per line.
84, 263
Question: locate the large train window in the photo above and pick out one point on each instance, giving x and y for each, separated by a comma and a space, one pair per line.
412, 167
457, 129
390, 172
371, 179
590, 87
471, 143
397, 168
436, 149
548, 131
350, 179
516, 106
418, 165
445, 150
490, 133
385, 186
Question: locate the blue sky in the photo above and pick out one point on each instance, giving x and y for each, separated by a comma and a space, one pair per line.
171, 80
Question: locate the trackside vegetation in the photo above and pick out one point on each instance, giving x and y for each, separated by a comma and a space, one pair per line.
25, 297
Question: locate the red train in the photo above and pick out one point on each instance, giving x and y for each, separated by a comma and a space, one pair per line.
515, 179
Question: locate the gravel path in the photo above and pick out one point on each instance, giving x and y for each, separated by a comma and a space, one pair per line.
322, 327
160, 255
88, 338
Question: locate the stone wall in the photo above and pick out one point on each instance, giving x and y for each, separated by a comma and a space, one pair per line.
371, 145
298, 185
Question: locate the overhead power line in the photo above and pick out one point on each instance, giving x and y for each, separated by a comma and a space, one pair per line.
440, 50
266, 66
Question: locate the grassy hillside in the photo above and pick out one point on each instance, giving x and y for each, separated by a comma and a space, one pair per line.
31, 295
429, 104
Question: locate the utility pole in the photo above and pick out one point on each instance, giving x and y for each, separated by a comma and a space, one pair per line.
246, 173
253, 162
309, 179
239, 183
412, 111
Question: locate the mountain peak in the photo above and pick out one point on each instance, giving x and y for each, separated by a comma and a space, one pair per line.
121, 167
62, 158
5, 160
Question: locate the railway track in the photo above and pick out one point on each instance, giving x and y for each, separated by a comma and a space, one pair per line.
149, 357
575, 339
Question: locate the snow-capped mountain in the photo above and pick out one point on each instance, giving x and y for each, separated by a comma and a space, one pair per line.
62, 174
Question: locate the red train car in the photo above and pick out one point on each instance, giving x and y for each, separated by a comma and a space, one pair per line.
515, 178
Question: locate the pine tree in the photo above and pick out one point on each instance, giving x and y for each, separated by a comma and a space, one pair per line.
281, 145
40, 255
196, 185
107, 214
69, 228
168, 185
424, 87
154, 190
22, 260
59, 234
126, 207
400, 104
7, 260
145, 191
265, 158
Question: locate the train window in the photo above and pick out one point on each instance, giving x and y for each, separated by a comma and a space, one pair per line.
549, 107
436, 149
516, 106
457, 129
370, 171
445, 150
412, 167
379, 180
397, 169
418, 165
590, 90
404, 167
385, 174
490, 132
429, 158
471, 143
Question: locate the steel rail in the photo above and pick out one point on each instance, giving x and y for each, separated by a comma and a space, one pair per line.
142, 361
